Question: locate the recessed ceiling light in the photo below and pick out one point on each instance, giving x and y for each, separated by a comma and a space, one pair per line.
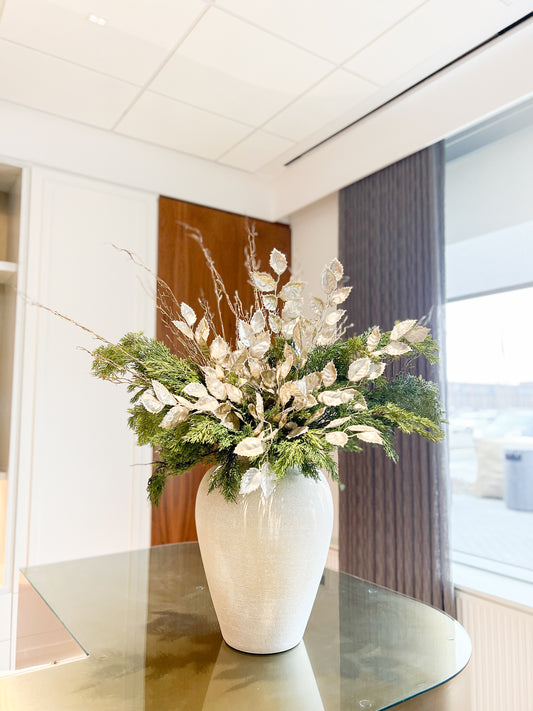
97, 20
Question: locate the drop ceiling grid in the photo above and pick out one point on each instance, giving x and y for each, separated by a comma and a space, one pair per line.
272, 89
79, 46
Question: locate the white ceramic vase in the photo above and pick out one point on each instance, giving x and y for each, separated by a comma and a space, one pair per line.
264, 559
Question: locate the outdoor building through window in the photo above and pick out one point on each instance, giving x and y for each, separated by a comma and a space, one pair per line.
490, 413
489, 350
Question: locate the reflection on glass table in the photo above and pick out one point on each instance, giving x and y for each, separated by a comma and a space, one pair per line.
147, 623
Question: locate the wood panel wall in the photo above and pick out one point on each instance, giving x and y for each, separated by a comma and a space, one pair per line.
182, 266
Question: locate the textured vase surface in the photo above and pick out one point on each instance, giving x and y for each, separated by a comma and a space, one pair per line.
264, 559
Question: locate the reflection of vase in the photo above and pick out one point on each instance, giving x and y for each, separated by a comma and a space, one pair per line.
284, 681
264, 558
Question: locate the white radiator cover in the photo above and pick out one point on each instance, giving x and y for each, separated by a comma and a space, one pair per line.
502, 656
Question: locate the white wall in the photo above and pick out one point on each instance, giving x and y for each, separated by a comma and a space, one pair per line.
315, 239
490, 189
79, 491
489, 217
33, 138
315, 242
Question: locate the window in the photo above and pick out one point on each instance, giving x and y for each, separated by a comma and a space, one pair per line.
489, 353
490, 412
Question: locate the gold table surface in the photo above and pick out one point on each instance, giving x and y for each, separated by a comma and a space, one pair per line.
146, 621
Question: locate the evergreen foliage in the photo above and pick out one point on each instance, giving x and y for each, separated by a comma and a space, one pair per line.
277, 400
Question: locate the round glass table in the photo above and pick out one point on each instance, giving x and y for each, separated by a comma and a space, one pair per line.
150, 640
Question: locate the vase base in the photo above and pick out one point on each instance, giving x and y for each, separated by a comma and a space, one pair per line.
262, 653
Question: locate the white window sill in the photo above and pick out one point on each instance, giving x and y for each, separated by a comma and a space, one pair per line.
514, 585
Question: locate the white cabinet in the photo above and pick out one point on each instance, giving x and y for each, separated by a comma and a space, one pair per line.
72, 481
81, 480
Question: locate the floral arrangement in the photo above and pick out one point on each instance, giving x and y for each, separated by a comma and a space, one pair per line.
284, 392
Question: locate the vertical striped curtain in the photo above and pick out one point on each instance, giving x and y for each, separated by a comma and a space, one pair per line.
393, 517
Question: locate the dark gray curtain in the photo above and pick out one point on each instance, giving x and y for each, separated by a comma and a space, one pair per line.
393, 517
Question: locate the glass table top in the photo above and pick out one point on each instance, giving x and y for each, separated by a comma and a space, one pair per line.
148, 626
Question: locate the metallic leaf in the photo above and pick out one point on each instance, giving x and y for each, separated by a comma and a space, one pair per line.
184, 402
337, 423
250, 447
359, 369
268, 480
251, 480
401, 328
327, 335
299, 403
278, 261
338, 439
269, 378
218, 349
373, 437
334, 317
245, 332
215, 387
275, 323
202, 331
174, 416
259, 406
337, 269
150, 402
331, 398
376, 369
367, 433
396, 348
297, 337
184, 328
315, 416
162, 394
293, 290
292, 309
208, 403
188, 314
230, 421
417, 334
258, 322
328, 281
256, 368
234, 394
372, 342
270, 301
195, 390
348, 394
340, 295
301, 387
260, 346
313, 381
287, 329
285, 393
317, 306
297, 431
329, 374
284, 368
263, 281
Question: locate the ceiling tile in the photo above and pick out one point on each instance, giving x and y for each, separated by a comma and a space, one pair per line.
170, 123
436, 33
214, 90
333, 97
58, 87
131, 46
231, 68
333, 29
256, 150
